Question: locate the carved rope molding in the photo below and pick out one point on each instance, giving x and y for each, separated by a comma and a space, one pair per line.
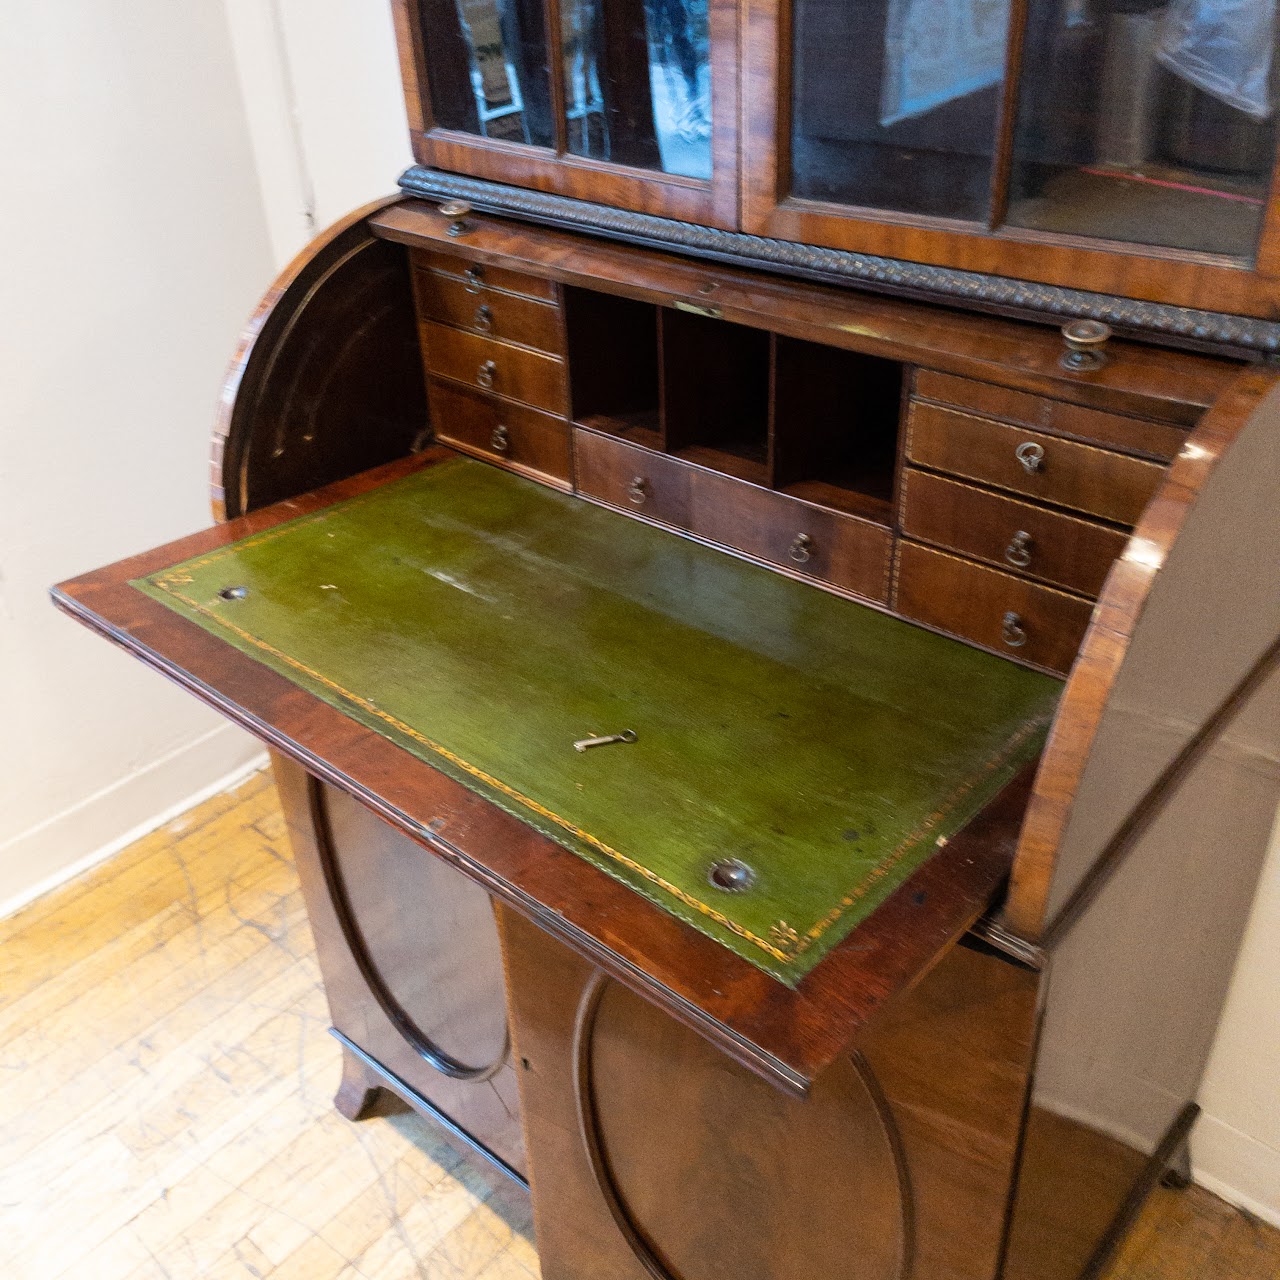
1034, 301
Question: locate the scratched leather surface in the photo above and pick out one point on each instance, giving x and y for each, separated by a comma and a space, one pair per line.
485, 622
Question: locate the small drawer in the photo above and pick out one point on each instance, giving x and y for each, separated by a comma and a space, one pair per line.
479, 277
637, 480
514, 372
511, 435
1016, 536
504, 316
1080, 476
1113, 430
1009, 615
840, 550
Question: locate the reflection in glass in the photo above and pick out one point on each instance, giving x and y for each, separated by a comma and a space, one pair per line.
895, 103
487, 68
1147, 121
638, 83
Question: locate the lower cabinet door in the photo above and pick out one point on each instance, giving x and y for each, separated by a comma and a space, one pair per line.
654, 1156
408, 948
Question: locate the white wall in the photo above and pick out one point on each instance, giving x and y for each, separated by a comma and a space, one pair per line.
135, 245
1237, 1142
321, 81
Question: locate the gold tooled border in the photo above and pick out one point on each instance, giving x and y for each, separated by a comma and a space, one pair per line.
787, 946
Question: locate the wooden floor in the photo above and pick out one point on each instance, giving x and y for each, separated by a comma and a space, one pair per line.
167, 1076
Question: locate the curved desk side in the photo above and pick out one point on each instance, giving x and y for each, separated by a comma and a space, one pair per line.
326, 380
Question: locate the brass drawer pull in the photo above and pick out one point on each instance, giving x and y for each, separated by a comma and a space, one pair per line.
1012, 632
638, 491
801, 549
474, 277
1031, 456
487, 374
1018, 552
456, 211
484, 318
1085, 340
500, 441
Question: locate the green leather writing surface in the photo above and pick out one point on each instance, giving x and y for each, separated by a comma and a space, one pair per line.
485, 622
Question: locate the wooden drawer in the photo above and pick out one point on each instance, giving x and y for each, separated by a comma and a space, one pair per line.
504, 316
637, 480
1080, 476
481, 278
514, 372
1158, 439
1010, 615
511, 435
843, 551
1018, 537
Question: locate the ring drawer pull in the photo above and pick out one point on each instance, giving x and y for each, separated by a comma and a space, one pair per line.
484, 318
801, 549
500, 441
638, 491
475, 278
1031, 456
1018, 552
486, 374
1012, 632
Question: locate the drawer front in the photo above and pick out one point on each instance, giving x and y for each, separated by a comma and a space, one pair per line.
1159, 439
1010, 615
854, 555
481, 278
511, 435
504, 316
1016, 536
1080, 476
636, 480
514, 372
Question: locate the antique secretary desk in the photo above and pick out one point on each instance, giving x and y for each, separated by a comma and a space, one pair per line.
760, 574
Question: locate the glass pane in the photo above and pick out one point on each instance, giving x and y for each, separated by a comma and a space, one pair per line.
1147, 123
638, 83
487, 68
895, 103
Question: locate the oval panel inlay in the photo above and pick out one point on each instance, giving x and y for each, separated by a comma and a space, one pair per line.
713, 1174
423, 936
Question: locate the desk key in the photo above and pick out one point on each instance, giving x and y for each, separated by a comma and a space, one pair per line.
627, 735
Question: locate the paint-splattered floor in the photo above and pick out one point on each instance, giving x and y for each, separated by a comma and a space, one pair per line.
166, 1103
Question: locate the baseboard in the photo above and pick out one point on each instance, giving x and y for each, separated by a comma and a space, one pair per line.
116, 816
1237, 1167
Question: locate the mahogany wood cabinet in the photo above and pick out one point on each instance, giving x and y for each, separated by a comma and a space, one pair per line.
779, 739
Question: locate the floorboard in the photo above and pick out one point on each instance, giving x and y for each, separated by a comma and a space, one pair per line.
168, 1074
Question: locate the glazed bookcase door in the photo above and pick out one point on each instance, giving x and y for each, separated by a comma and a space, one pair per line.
1109, 145
631, 103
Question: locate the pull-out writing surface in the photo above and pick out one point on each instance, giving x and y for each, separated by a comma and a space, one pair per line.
789, 1034
797, 756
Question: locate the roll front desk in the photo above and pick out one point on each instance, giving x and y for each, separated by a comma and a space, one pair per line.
778, 728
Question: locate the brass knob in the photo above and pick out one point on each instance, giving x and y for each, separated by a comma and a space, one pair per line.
1018, 552
486, 374
801, 550
1031, 455
475, 278
500, 441
484, 318
1085, 341
457, 210
638, 491
1012, 632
